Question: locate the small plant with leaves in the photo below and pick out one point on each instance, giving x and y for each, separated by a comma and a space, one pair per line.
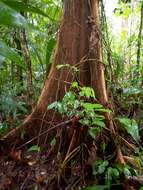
80, 102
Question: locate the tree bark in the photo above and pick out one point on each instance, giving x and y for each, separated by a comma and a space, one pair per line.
139, 41
78, 45
27, 59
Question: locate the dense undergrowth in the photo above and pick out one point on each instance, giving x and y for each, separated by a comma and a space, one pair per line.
93, 163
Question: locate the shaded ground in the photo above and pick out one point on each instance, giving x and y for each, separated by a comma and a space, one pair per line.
35, 171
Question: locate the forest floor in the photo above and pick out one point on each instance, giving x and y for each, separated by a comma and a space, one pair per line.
23, 170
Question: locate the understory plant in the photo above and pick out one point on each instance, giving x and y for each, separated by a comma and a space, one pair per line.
81, 103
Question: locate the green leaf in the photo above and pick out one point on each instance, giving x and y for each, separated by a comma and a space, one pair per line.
127, 171
50, 46
74, 84
90, 106
93, 131
62, 66
115, 172
112, 173
98, 123
23, 7
87, 92
84, 121
3, 128
34, 148
131, 127
9, 17
102, 167
54, 11
52, 106
99, 117
132, 91
69, 98
57, 106
97, 187
103, 110
53, 142
10, 53
2, 59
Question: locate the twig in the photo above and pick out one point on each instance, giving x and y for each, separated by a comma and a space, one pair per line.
47, 131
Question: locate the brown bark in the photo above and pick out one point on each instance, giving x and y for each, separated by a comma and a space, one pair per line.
19, 71
78, 45
27, 59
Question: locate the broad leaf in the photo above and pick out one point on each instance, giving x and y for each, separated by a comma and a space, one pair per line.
93, 131
74, 84
2, 59
102, 167
53, 142
34, 148
23, 7
69, 98
87, 92
85, 122
90, 106
9, 17
131, 126
50, 46
9, 53
103, 110
132, 91
62, 66
112, 173
57, 106
98, 123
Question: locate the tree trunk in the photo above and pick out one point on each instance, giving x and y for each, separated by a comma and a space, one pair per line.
139, 42
78, 45
19, 71
27, 59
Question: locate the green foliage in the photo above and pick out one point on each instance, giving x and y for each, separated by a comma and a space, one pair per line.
40, 20
97, 187
73, 68
50, 46
34, 148
127, 171
131, 127
3, 128
111, 172
133, 91
87, 92
77, 103
9, 104
53, 142
9, 53
23, 7
9, 17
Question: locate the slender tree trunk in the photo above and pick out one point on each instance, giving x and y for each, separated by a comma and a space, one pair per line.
139, 40
19, 71
78, 45
26, 55
12, 70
